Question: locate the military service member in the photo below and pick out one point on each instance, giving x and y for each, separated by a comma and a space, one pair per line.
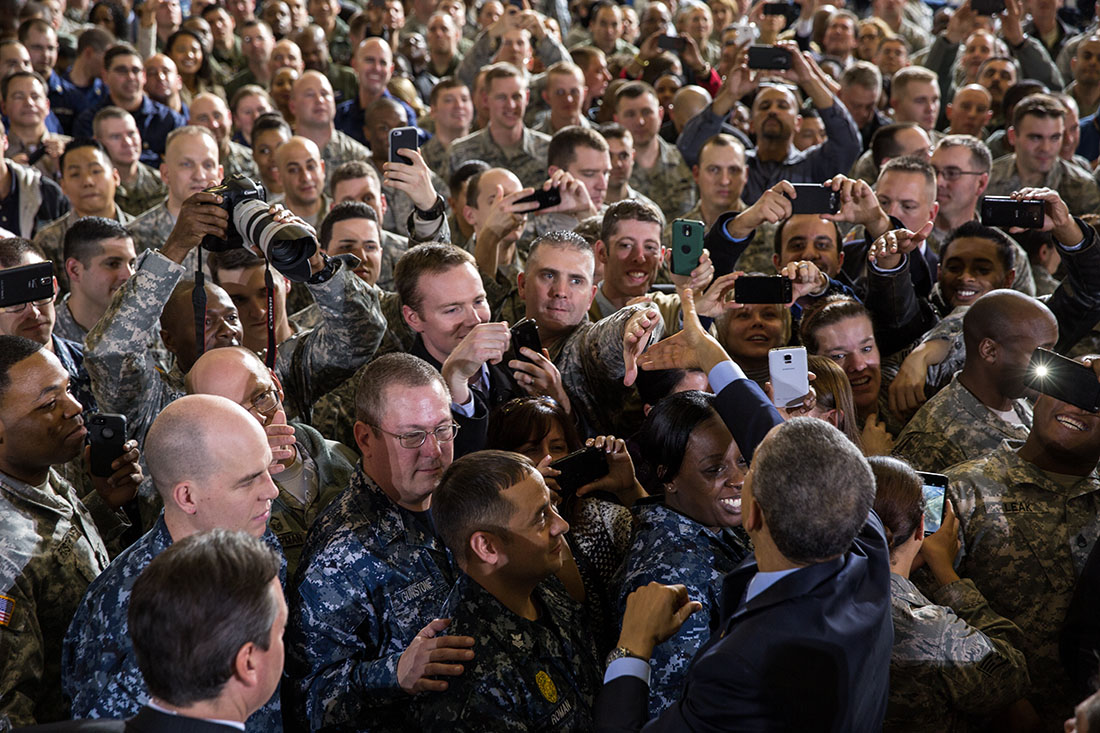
99, 257
210, 111
314, 110
52, 543
139, 188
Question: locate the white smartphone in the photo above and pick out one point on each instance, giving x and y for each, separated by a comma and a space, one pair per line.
789, 372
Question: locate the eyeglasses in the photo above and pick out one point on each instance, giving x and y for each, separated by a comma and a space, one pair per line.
416, 438
952, 174
265, 405
23, 306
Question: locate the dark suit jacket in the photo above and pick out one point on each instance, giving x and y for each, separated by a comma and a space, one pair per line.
147, 720
810, 653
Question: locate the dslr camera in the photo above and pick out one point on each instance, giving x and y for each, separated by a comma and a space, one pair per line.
287, 246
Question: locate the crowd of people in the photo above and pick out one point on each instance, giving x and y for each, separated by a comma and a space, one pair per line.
356, 278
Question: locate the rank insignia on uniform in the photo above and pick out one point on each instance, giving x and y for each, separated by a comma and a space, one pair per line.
546, 687
7, 608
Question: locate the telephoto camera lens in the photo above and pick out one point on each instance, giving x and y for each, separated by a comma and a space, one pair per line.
287, 246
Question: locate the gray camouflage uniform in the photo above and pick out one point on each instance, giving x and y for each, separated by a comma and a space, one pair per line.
954, 662
399, 207
371, 576
1026, 534
1076, 187
144, 193
340, 149
51, 239
50, 550
954, 426
668, 182
151, 229
238, 162
528, 161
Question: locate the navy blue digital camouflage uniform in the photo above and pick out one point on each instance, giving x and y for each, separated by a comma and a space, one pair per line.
99, 670
372, 574
672, 548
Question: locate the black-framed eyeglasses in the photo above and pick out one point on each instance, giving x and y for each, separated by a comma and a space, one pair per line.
416, 438
952, 174
265, 405
23, 306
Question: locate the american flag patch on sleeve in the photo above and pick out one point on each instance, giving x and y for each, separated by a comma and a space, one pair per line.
7, 608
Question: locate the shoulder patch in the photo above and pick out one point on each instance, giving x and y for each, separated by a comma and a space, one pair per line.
7, 610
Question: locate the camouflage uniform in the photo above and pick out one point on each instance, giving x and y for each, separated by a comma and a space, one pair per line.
238, 161
372, 575
546, 127
527, 161
670, 548
1076, 187
51, 239
326, 468
399, 207
99, 670
952, 659
438, 158
526, 675
50, 550
633, 193
668, 182
548, 50
954, 426
340, 149
64, 324
151, 230
1026, 534
393, 246
144, 193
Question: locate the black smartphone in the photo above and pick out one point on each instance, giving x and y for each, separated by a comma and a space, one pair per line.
769, 57
676, 44
1004, 211
580, 468
934, 488
526, 333
777, 8
26, 284
403, 137
988, 7
687, 245
765, 289
1063, 379
107, 436
545, 199
814, 198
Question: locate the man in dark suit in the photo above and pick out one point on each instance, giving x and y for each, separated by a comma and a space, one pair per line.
206, 618
805, 633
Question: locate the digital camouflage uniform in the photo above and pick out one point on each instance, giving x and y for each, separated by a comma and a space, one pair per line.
668, 182
954, 426
1026, 534
238, 162
672, 548
527, 161
399, 207
64, 324
151, 230
371, 576
393, 247
99, 670
340, 149
538, 675
954, 662
1076, 187
50, 550
144, 193
438, 158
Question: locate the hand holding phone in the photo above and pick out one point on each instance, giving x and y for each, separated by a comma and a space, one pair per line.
814, 198
403, 137
789, 373
546, 199
763, 290
773, 58
526, 333
1064, 379
934, 488
687, 245
675, 44
580, 468
107, 438
26, 284
1007, 212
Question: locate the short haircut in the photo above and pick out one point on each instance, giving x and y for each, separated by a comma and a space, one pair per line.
900, 40
1019, 90
980, 157
5, 83
560, 239
13, 349
843, 13
1038, 105
589, 229
271, 121
634, 90
110, 112
473, 187
778, 242
464, 173
429, 257
447, 82
83, 142
722, 140
909, 75
502, 70
628, 210
563, 68
884, 142
216, 575
585, 55
248, 90
342, 212
350, 171
1000, 59
119, 49
188, 130
398, 368
614, 131
95, 38
238, 258
862, 74
913, 164
562, 151
32, 24
468, 498
899, 500
975, 229
664, 435
827, 312
801, 461
84, 239
13, 250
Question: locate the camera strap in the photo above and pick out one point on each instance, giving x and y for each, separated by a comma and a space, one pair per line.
269, 285
198, 303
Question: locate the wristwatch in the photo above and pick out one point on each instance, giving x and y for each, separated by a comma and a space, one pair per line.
620, 652
433, 213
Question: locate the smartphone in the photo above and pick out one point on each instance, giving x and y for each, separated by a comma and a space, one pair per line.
814, 198
580, 468
746, 33
769, 57
403, 137
766, 289
107, 436
526, 333
788, 370
988, 7
676, 44
1063, 379
1003, 211
776, 8
26, 284
545, 199
934, 490
687, 245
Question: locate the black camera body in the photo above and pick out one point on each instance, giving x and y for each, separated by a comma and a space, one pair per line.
233, 191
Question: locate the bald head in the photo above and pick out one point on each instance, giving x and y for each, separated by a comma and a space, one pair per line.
1002, 315
688, 102
294, 147
312, 101
225, 372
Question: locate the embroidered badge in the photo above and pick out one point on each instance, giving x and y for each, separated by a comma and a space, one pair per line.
7, 608
546, 687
